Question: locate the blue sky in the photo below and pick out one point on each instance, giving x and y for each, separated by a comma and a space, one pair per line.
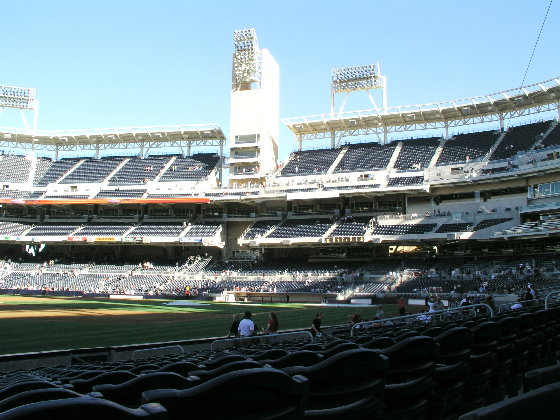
119, 63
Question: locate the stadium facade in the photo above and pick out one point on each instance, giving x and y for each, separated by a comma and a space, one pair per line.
486, 179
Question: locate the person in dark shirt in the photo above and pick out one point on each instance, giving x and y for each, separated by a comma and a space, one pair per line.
316, 325
233, 330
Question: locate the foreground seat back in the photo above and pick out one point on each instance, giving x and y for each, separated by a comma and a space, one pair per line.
253, 393
352, 379
83, 408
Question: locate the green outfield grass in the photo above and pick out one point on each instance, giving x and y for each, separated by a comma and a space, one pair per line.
31, 324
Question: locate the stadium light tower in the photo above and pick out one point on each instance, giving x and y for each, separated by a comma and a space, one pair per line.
247, 59
20, 98
358, 78
255, 111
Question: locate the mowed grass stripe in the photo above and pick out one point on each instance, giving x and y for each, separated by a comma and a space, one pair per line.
101, 323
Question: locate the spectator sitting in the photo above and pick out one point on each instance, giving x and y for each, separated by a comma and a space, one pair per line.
316, 325
246, 326
272, 327
234, 329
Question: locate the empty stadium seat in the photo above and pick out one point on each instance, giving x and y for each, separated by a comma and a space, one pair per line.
272, 394
346, 385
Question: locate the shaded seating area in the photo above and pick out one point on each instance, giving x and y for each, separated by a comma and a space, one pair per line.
404, 229
354, 226
453, 227
193, 168
92, 170
138, 170
405, 181
260, 228
520, 138
310, 162
120, 193
467, 147
272, 394
365, 157
416, 153
297, 228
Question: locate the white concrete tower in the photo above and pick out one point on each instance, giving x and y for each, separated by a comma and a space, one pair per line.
255, 111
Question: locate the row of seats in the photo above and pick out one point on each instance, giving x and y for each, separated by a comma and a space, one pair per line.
404, 229
467, 147
92, 170
365, 157
194, 168
438, 370
137, 170
120, 193
310, 162
416, 153
405, 181
301, 228
520, 138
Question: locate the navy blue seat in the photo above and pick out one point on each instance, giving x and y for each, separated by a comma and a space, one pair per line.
346, 385
266, 394
83, 408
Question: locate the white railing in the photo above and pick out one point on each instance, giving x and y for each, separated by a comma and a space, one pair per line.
425, 316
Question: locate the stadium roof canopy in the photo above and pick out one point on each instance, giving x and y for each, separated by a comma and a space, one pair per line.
513, 103
114, 138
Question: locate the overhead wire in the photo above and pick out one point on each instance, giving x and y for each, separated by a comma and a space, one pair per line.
536, 43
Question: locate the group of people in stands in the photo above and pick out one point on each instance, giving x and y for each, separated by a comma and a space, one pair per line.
246, 327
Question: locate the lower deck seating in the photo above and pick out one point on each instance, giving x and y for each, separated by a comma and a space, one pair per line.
426, 368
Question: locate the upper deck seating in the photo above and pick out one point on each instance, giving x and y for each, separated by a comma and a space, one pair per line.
93, 170
310, 162
193, 168
138, 170
466, 147
54, 171
416, 153
518, 139
553, 138
365, 157
14, 168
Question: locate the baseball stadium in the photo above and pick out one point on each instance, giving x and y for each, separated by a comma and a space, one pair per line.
402, 262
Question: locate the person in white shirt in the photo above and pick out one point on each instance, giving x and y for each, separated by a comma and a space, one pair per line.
247, 326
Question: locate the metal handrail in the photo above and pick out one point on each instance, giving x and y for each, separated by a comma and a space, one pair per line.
157, 350
548, 296
259, 337
415, 316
